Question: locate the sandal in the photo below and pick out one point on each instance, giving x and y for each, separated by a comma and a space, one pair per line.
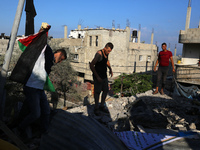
155, 92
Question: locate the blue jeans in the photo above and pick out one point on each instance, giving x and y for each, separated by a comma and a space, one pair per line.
38, 106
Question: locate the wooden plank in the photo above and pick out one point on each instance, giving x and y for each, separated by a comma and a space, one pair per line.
12, 136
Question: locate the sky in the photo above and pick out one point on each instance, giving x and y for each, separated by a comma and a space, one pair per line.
165, 17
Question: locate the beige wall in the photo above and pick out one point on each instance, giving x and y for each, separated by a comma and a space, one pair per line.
190, 54
188, 74
190, 36
191, 46
122, 58
4, 45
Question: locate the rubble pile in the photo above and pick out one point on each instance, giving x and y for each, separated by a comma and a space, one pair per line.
146, 110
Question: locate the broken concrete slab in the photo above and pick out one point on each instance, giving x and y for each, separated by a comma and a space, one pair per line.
148, 110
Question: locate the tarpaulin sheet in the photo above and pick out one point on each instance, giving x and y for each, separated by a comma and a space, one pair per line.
144, 141
190, 92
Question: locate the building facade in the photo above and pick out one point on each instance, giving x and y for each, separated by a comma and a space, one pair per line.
126, 57
188, 70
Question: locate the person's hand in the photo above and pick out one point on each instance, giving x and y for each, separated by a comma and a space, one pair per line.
99, 79
154, 69
111, 73
174, 70
44, 27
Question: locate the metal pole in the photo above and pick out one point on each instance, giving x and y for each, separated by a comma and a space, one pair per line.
121, 86
146, 66
8, 55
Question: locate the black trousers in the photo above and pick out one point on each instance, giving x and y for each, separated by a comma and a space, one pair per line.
162, 74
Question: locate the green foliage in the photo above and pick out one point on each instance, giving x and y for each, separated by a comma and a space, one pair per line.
132, 83
63, 77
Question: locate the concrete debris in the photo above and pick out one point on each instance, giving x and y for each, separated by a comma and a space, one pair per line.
146, 110
192, 126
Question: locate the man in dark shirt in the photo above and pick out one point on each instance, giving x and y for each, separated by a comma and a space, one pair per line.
36, 100
163, 60
99, 68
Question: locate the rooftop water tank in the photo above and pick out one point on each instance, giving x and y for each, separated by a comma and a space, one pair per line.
134, 34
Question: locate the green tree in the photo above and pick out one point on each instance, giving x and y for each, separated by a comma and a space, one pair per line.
63, 77
131, 84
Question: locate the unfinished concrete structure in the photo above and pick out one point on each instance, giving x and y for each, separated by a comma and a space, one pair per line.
128, 56
4, 45
188, 70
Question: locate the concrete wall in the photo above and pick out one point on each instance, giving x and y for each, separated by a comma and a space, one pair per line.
188, 71
191, 54
190, 36
60, 42
117, 57
123, 58
4, 45
188, 74
191, 46
141, 53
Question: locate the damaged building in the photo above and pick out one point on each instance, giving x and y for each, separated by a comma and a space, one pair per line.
188, 70
129, 54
